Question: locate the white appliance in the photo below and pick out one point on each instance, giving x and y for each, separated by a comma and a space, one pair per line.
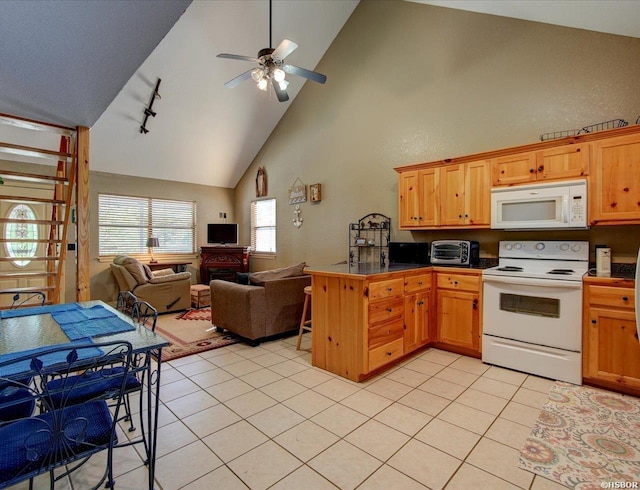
540, 206
532, 308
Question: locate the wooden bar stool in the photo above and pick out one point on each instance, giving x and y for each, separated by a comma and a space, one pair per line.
304, 323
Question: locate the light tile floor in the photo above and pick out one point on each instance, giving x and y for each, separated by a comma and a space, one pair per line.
240, 417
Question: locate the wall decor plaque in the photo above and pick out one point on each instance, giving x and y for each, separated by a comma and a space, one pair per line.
315, 190
261, 183
298, 192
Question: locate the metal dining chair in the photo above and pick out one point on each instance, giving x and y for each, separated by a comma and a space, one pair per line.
27, 298
126, 301
68, 428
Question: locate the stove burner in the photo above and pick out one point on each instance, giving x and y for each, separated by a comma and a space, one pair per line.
510, 268
563, 272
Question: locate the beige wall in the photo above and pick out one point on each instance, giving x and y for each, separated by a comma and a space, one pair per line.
412, 83
210, 202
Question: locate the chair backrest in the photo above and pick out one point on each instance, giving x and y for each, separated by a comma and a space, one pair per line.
42, 429
126, 302
28, 298
145, 314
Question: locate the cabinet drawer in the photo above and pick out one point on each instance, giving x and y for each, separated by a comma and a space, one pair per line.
382, 311
458, 281
385, 333
413, 284
385, 353
386, 289
610, 296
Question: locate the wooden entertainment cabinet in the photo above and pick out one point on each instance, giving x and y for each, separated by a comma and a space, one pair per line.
222, 262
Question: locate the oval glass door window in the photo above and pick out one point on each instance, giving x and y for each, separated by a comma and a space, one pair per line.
21, 250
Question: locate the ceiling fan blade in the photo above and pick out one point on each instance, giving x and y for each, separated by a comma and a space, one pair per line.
282, 94
285, 48
237, 57
239, 79
302, 72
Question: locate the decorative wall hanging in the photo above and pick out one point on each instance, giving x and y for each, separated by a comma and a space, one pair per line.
261, 183
315, 190
297, 220
297, 192
148, 110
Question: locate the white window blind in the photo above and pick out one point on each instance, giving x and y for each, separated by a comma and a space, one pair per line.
125, 223
263, 226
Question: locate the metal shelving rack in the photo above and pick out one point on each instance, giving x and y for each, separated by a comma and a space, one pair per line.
369, 239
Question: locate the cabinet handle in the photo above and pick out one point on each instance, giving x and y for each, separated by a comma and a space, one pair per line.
532, 170
594, 321
455, 282
540, 168
389, 289
389, 354
420, 303
419, 283
389, 310
475, 304
459, 216
625, 298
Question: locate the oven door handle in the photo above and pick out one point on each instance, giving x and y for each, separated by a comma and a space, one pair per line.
529, 281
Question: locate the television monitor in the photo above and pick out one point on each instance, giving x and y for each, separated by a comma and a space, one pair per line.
222, 233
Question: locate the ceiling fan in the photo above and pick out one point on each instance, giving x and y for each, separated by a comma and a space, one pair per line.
272, 69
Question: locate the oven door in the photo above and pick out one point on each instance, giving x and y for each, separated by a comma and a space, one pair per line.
538, 311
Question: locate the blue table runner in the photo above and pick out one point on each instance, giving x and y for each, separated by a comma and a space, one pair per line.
90, 322
38, 310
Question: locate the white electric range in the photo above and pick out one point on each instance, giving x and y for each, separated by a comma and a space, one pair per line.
532, 308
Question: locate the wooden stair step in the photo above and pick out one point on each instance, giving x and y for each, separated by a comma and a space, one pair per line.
28, 289
27, 177
32, 221
18, 275
24, 199
31, 151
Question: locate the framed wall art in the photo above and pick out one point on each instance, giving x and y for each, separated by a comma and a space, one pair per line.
298, 192
261, 183
315, 191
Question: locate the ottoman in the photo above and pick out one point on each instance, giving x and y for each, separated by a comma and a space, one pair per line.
200, 296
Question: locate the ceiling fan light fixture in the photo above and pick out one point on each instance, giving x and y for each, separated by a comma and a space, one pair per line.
263, 84
257, 74
283, 84
278, 75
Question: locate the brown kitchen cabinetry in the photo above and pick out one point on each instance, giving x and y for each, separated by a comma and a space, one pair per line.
562, 162
611, 351
222, 263
417, 311
614, 190
458, 310
419, 199
447, 196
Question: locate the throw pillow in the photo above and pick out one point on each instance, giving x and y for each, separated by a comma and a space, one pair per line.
259, 278
242, 277
147, 271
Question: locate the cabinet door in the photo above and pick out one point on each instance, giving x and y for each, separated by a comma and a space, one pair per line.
613, 348
429, 197
514, 169
409, 199
416, 320
565, 162
452, 195
458, 318
477, 193
615, 190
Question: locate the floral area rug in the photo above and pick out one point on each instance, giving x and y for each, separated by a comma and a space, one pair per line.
585, 439
191, 332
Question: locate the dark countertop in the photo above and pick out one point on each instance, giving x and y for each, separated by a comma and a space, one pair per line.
368, 269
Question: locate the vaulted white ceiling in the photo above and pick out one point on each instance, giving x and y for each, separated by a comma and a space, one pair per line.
96, 63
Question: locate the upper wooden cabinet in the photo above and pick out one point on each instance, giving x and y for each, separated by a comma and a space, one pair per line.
562, 162
446, 196
614, 189
419, 198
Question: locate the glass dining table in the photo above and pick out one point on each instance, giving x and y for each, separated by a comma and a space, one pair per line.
31, 329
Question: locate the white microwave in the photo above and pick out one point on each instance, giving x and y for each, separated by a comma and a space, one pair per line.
540, 206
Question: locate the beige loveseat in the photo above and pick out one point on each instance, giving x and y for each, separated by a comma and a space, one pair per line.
270, 305
164, 289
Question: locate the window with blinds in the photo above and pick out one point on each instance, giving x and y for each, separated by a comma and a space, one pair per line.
125, 223
263, 226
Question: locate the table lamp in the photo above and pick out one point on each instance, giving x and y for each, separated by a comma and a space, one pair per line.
152, 242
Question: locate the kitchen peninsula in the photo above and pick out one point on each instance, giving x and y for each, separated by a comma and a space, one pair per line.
366, 317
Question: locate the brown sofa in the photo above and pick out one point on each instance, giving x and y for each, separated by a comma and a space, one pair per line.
164, 289
270, 305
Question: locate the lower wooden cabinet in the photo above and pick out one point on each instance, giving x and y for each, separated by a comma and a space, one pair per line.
611, 351
458, 310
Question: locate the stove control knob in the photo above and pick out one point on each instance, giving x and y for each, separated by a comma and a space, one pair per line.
564, 247
539, 246
508, 246
576, 247
518, 246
